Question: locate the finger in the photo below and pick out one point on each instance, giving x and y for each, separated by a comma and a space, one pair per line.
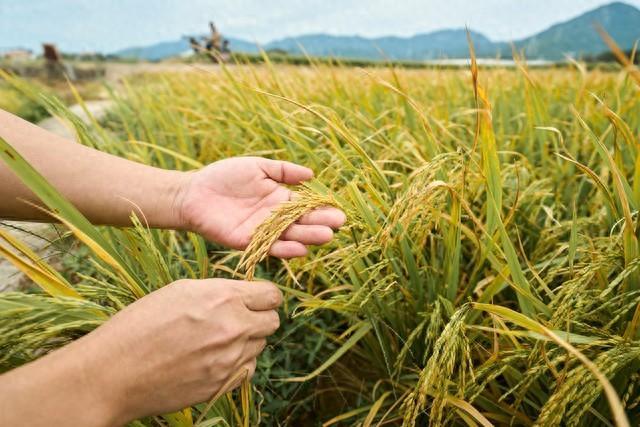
287, 249
246, 371
263, 323
253, 348
250, 368
285, 172
259, 296
330, 217
308, 234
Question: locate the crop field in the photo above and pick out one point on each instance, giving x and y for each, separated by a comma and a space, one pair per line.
28, 106
488, 272
13, 101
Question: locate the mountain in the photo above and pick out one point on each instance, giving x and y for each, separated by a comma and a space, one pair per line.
162, 50
576, 37
437, 44
155, 52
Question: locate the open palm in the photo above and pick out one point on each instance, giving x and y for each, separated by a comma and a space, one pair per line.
227, 200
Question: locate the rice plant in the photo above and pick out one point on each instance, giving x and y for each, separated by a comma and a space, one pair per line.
487, 274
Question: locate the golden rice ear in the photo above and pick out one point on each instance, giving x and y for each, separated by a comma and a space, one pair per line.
270, 230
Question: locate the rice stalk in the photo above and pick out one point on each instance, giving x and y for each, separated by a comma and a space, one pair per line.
270, 230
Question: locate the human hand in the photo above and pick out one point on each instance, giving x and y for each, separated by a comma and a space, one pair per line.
179, 345
227, 200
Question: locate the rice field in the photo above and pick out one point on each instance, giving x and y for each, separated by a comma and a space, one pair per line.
12, 100
28, 106
488, 273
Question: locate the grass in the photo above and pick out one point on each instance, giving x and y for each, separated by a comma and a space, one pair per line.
13, 101
24, 100
487, 274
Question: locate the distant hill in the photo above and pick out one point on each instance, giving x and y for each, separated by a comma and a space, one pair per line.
437, 44
576, 37
155, 52
162, 50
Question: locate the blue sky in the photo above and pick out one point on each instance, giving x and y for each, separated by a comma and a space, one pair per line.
108, 25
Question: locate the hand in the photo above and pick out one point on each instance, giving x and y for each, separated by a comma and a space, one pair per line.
181, 344
176, 347
227, 200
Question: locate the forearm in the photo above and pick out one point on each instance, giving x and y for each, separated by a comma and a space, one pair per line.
58, 389
105, 188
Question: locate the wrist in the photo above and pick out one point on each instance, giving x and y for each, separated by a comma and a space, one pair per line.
61, 388
98, 378
169, 211
99, 391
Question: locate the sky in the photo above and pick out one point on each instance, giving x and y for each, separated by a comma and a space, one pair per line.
109, 25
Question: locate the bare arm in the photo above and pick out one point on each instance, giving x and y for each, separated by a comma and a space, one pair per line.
178, 346
105, 188
223, 202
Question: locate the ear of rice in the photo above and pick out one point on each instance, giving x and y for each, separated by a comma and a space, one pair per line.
267, 233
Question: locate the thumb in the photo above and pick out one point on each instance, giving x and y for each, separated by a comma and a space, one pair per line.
285, 172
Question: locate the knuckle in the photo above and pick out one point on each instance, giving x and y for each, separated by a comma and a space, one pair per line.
213, 371
230, 360
275, 321
251, 368
218, 369
274, 296
229, 332
227, 296
194, 291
